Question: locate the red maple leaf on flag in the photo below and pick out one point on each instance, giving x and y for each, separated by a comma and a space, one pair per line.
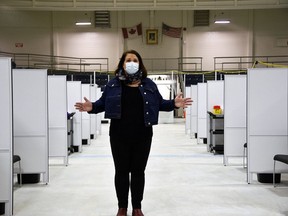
132, 31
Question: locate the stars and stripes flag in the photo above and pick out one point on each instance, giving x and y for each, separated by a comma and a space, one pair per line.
132, 32
171, 31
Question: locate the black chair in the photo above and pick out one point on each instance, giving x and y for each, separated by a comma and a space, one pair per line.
17, 158
281, 158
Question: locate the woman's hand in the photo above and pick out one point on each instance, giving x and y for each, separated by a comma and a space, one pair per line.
84, 107
182, 102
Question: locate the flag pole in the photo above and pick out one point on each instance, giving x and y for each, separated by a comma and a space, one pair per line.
181, 51
125, 45
162, 33
142, 32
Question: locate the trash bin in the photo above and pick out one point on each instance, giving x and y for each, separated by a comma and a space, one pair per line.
268, 177
2, 208
29, 178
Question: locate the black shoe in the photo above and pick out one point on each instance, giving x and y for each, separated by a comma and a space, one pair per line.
122, 212
137, 212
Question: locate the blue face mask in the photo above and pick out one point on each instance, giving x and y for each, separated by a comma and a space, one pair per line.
132, 67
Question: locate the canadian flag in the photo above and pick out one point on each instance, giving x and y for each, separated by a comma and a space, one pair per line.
132, 32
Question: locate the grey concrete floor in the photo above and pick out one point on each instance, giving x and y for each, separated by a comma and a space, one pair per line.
182, 179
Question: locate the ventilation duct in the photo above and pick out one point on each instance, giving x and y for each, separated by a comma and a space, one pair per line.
201, 17
102, 19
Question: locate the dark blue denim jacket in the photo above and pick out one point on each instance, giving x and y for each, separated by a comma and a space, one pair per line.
110, 101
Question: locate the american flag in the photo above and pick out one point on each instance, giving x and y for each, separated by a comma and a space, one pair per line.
171, 31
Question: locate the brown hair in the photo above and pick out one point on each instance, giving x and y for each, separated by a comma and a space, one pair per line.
141, 65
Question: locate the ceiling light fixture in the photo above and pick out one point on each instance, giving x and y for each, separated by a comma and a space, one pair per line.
222, 21
83, 23
222, 17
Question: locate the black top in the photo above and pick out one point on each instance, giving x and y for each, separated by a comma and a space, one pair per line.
131, 125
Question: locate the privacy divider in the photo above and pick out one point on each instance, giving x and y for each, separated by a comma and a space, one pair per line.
99, 116
86, 124
235, 116
93, 118
188, 112
57, 106
193, 110
30, 115
74, 94
202, 111
6, 137
166, 89
215, 96
267, 119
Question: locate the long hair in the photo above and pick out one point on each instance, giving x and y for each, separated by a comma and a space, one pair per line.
141, 65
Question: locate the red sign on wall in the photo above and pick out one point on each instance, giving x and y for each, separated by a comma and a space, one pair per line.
19, 45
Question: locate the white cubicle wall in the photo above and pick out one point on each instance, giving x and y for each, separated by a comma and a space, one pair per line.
215, 96
99, 116
74, 94
165, 88
6, 136
188, 111
235, 116
267, 119
93, 118
193, 111
57, 109
86, 124
201, 111
30, 116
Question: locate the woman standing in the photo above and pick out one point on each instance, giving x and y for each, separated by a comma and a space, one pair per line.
132, 102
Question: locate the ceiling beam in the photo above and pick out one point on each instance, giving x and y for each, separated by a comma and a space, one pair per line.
122, 5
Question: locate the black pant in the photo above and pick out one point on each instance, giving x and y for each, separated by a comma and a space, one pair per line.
130, 156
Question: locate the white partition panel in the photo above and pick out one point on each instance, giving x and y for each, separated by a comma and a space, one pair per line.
30, 115
99, 116
235, 116
6, 136
93, 118
215, 96
193, 108
188, 111
165, 89
267, 119
86, 124
201, 111
57, 108
74, 94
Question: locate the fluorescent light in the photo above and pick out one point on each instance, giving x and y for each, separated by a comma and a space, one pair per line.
222, 21
83, 23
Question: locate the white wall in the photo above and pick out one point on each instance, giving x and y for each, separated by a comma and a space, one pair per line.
251, 32
269, 28
219, 40
30, 28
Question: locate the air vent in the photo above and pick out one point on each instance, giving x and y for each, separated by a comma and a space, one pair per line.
102, 19
201, 17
